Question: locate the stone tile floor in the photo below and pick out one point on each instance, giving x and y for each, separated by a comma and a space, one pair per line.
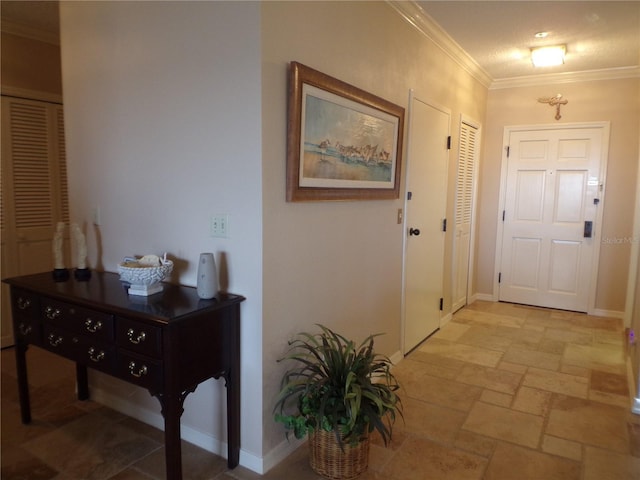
501, 392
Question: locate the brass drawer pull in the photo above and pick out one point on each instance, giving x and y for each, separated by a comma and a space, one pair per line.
92, 325
52, 313
55, 340
139, 372
96, 357
136, 340
23, 303
24, 329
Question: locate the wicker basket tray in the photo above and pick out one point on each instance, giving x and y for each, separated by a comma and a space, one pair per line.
329, 460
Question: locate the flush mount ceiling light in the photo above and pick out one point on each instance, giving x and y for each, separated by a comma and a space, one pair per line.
548, 56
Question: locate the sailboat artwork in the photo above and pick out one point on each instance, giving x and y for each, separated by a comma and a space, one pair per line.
345, 144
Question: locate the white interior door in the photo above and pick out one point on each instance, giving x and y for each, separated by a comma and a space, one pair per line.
465, 190
425, 211
551, 222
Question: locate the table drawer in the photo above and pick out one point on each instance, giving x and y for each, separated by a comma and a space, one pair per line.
139, 337
80, 348
60, 341
143, 371
26, 322
25, 304
96, 354
77, 319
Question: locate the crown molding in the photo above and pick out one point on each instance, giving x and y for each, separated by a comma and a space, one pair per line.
20, 30
568, 77
418, 18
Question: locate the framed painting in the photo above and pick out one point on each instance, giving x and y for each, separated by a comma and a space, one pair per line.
342, 142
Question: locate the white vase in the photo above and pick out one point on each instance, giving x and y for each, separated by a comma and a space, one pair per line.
207, 284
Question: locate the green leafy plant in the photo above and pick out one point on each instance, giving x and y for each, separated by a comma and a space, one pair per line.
337, 386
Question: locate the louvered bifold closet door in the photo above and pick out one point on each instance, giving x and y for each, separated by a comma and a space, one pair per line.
34, 185
467, 159
62, 186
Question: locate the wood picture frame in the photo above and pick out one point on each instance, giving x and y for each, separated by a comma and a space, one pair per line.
342, 142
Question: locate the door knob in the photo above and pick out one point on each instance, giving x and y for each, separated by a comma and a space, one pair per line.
414, 231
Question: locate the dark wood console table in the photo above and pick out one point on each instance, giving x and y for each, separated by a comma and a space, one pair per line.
167, 343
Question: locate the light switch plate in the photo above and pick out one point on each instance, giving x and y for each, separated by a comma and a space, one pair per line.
220, 226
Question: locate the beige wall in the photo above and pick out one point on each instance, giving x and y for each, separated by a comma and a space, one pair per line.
162, 110
615, 101
340, 263
30, 64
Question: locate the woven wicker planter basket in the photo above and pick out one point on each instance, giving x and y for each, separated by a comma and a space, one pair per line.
329, 460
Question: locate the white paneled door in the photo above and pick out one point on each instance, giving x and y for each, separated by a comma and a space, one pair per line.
425, 212
550, 220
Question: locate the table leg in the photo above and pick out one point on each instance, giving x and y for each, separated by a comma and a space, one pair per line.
233, 417
233, 390
82, 382
23, 383
172, 411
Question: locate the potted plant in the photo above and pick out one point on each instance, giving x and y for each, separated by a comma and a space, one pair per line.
337, 393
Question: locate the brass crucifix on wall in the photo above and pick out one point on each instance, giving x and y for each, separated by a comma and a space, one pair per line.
555, 102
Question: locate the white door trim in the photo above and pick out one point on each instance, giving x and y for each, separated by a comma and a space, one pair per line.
605, 126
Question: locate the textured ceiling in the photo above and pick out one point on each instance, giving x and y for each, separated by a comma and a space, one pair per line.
498, 35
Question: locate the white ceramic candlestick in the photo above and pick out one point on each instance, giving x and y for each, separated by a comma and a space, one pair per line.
58, 259
81, 246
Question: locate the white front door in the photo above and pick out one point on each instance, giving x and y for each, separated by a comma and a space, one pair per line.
551, 223
425, 212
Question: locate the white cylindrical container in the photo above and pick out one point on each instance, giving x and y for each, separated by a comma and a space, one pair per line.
207, 284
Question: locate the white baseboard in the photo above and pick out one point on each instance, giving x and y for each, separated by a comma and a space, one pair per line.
599, 312
396, 357
282, 451
485, 297
7, 340
191, 435
446, 319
